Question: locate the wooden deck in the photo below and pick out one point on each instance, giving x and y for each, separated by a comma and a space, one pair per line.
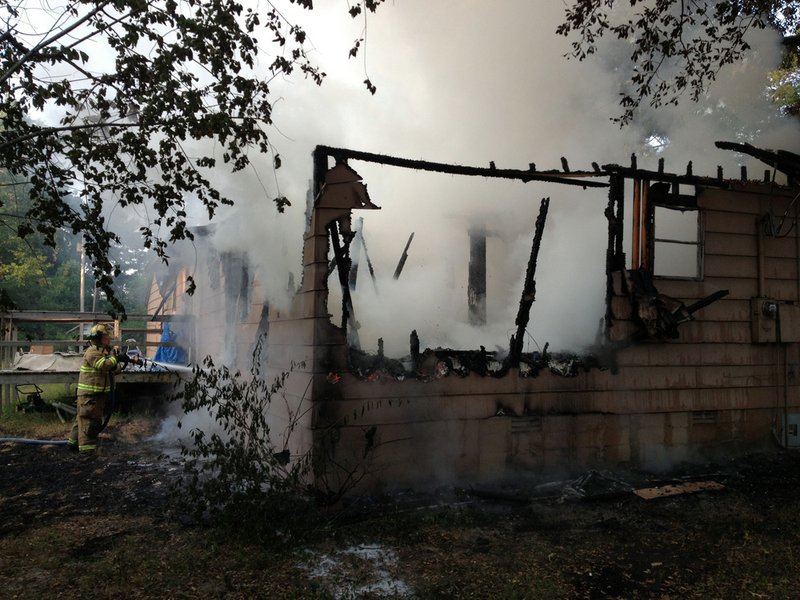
10, 346
21, 376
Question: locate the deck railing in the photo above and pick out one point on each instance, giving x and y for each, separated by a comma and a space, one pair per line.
147, 338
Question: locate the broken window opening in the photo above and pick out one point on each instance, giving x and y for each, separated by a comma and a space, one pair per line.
237, 286
645, 313
677, 232
666, 208
476, 284
451, 260
666, 230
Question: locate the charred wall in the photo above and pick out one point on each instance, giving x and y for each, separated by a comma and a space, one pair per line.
713, 388
706, 391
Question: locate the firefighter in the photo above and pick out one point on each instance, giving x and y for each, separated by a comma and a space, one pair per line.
94, 389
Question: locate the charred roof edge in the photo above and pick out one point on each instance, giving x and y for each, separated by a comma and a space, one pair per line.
571, 178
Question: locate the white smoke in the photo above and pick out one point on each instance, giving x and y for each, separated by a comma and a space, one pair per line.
469, 84
489, 83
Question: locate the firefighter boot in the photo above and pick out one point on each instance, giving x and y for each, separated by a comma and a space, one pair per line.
72, 439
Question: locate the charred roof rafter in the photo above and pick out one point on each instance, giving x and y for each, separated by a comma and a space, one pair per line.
784, 161
660, 176
565, 178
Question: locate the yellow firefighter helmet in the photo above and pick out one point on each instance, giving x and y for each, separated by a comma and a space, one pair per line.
99, 331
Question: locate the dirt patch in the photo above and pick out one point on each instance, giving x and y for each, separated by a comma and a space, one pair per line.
45, 483
106, 528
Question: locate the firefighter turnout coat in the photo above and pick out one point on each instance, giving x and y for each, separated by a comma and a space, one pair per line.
96, 369
94, 393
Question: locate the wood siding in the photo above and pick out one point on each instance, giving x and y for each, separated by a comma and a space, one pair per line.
710, 391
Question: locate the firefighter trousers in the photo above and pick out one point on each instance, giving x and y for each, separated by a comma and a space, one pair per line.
88, 421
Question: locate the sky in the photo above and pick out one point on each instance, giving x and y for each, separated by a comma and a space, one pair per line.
467, 83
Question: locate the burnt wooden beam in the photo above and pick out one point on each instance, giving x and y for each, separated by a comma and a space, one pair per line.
403, 257
424, 165
369, 262
649, 230
343, 269
793, 159
320, 168
703, 302
617, 194
644, 174
615, 258
355, 253
785, 162
476, 283
790, 156
413, 343
791, 40
529, 287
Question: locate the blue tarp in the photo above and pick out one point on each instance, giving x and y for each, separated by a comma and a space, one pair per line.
170, 354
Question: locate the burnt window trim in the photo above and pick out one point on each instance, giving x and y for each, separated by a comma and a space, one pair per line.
668, 196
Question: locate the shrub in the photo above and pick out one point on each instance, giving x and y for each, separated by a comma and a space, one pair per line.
235, 475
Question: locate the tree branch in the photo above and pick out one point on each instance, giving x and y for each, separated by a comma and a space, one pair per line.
36, 49
50, 130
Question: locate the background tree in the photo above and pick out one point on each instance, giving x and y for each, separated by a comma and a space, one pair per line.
109, 101
677, 47
34, 275
784, 82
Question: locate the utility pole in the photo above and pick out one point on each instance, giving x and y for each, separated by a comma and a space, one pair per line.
82, 252
83, 276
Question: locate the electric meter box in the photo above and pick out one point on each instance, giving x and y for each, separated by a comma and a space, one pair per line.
793, 430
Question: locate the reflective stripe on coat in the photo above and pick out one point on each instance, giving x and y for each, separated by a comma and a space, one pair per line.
95, 372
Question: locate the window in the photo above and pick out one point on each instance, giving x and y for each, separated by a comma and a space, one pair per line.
677, 248
667, 230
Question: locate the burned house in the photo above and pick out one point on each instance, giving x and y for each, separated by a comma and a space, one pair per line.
687, 365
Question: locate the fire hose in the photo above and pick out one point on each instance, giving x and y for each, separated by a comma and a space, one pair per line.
32, 441
106, 419
143, 361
